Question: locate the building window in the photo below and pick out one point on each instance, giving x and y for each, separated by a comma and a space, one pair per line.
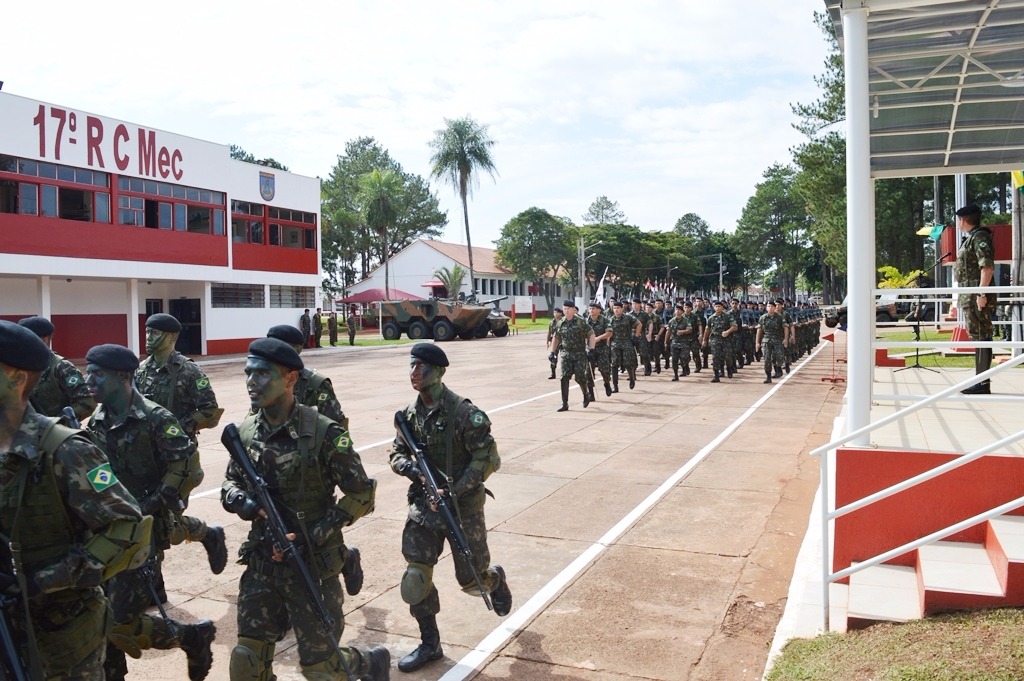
101, 207
8, 196
236, 295
29, 195
244, 228
292, 296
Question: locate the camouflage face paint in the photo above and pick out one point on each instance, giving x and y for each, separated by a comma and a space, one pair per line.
265, 383
423, 376
157, 341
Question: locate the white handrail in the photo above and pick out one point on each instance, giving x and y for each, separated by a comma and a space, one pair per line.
914, 407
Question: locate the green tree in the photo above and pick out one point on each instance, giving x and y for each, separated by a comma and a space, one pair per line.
452, 278
380, 194
240, 154
536, 246
461, 150
604, 211
351, 249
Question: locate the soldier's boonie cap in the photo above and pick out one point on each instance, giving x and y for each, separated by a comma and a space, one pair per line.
21, 348
430, 353
287, 333
112, 357
40, 326
163, 322
276, 351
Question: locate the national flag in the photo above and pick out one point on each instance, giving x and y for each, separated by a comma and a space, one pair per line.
1017, 177
936, 232
649, 286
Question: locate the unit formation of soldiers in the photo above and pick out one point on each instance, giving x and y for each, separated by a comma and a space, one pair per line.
88, 513
624, 339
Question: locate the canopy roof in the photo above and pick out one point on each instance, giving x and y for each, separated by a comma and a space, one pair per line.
946, 85
372, 295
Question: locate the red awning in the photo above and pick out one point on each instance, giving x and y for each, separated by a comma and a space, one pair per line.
372, 295
433, 284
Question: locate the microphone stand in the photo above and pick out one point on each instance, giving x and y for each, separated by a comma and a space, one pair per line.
917, 326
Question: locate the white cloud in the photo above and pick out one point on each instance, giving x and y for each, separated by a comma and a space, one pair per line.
667, 107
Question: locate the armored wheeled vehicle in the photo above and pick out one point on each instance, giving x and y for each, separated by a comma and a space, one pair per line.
439, 318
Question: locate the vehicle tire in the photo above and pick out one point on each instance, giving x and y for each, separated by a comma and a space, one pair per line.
467, 335
882, 317
443, 330
391, 331
481, 330
418, 330
501, 331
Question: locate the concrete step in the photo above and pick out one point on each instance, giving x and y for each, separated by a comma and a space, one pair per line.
1004, 541
957, 575
883, 593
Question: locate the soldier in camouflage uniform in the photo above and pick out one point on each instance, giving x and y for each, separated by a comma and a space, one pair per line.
716, 335
573, 341
151, 454
74, 522
664, 315
61, 384
304, 457
314, 389
626, 330
657, 337
734, 347
643, 346
602, 356
461, 450
771, 331
975, 266
178, 385
556, 318
696, 322
680, 335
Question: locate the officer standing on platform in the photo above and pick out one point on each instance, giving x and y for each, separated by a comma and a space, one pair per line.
975, 266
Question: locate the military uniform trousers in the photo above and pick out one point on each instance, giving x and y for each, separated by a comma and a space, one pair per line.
774, 354
680, 352
129, 596
978, 321
623, 356
71, 628
422, 544
270, 599
720, 353
575, 364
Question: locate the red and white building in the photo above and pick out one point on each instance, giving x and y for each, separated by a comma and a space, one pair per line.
104, 222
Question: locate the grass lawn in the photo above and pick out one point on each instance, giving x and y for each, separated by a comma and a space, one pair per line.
935, 360
965, 646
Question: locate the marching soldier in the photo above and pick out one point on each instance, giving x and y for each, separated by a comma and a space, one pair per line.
178, 385
626, 330
61, 384
573, 340
602, 354
720, 327
680, 334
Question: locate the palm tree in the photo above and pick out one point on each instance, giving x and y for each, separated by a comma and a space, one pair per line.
379, 193
451, 278
460, 150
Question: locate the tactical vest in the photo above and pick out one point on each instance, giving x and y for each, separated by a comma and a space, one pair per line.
301, 493
48, 397
308, 387
137, 466
32, 510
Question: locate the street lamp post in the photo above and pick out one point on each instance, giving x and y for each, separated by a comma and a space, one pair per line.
583, 266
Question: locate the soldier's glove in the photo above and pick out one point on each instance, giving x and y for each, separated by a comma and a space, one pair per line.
241, 504
470, 479
410, 470
151, 504
553, 357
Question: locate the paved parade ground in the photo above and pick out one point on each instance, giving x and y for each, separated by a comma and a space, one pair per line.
649, 536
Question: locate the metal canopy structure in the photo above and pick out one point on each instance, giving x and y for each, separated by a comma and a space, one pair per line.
945, 84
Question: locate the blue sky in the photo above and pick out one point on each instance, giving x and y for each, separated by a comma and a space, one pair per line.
667, 107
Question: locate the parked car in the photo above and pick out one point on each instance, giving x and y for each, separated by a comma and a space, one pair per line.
885, 311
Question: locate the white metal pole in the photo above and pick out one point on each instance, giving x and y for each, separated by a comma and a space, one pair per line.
860, 223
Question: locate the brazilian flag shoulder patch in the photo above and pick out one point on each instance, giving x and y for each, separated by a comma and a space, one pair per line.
477, 419
172, 430
203, 383
342, 442
72, 380
101, 477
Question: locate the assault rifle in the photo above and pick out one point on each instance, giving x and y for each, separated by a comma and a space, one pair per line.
12, 666
279, 532
437, 499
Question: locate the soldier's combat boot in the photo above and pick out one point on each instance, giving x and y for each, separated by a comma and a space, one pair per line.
352, 571
587, 399
195, 641
768, 374
615, 382
216, 549
632, 378
716, 379
982, 363
552, 373
376, 664
728, 370
786, 367
608, 388
675, 374
686, 369
565, 394
657, 366
429, 648
501, 595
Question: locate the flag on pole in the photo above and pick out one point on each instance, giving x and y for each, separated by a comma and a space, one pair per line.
1017, 176
599, 296
649, 286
